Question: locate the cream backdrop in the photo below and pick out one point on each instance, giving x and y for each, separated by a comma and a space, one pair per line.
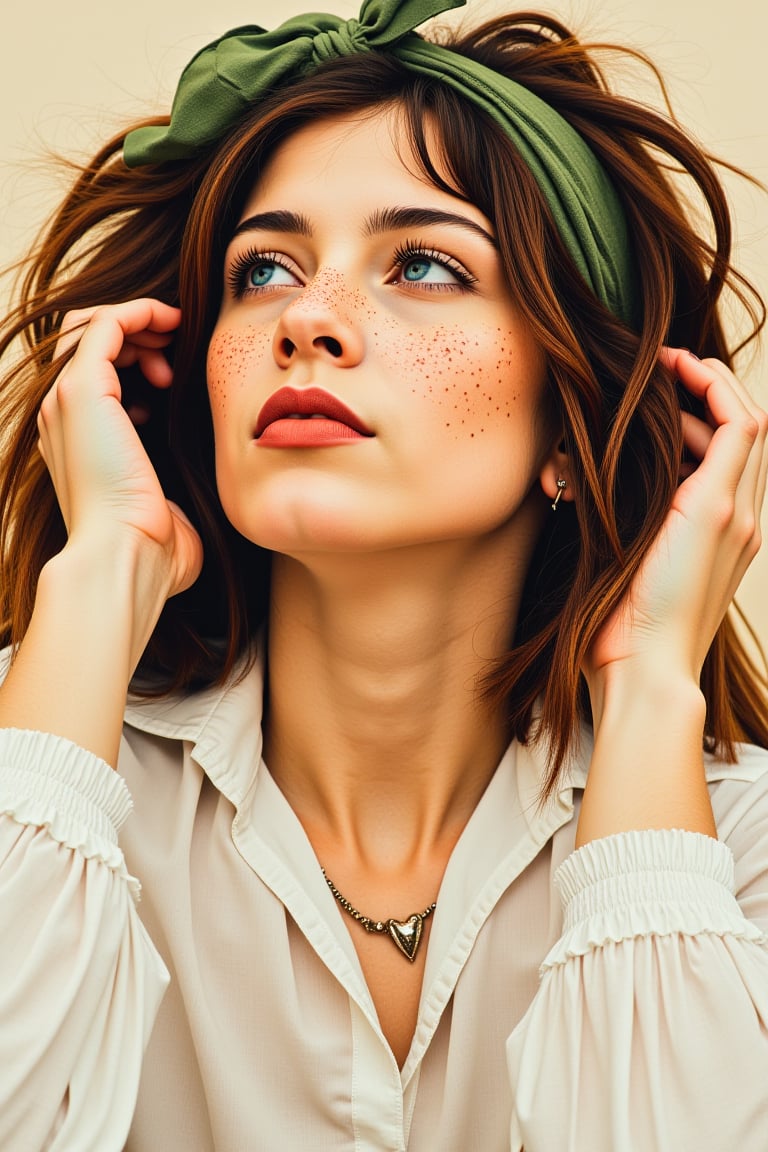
73, 72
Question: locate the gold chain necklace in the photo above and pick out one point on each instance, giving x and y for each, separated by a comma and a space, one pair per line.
406, 934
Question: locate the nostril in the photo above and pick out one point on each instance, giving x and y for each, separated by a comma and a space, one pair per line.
329, 342
288, 347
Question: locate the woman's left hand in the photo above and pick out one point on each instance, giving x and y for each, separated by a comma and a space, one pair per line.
644, 666
711, 534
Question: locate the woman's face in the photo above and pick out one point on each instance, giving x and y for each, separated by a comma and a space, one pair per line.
372, 384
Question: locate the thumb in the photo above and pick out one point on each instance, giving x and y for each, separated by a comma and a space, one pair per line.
188, 548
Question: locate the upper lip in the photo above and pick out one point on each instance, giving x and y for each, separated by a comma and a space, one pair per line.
308, 402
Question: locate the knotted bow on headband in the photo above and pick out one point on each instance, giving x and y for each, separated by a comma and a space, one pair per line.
224, 79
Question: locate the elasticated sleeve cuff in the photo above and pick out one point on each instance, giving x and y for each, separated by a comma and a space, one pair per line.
654, 882
50, 782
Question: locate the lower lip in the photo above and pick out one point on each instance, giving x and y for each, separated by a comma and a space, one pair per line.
307, 434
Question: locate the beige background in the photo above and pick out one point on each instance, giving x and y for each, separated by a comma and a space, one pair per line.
72, 72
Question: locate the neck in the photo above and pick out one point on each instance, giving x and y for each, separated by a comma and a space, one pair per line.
376, 729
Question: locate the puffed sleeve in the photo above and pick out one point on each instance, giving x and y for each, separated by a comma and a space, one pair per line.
80, 981
649, 1031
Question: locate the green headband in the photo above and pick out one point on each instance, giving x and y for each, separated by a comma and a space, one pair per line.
224, 79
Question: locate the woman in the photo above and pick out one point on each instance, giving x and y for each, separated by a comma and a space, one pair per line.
361, 387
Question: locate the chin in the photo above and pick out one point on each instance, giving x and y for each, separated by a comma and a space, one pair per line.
292, 529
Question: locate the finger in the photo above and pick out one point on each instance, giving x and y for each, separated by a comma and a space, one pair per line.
726, 400
151, 361
722, 488
729, 495
146, 322
65, 419
762, 446
698, 375
72, 327
730, 478
74, 323
191, 551
139, 414
752, 484
111, 327
145, 349
697, 435
155, 368
91, 373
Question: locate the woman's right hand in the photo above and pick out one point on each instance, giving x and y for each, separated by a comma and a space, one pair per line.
106, 486
128, 549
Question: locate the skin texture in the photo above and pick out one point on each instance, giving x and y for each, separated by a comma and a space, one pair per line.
446, 376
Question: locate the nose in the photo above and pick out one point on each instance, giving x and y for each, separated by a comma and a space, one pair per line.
320, 324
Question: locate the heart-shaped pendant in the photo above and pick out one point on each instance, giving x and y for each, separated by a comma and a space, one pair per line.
406, 934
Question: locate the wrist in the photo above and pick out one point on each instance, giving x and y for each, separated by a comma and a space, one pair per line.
96, 605
647, 767
646, 689
116, 579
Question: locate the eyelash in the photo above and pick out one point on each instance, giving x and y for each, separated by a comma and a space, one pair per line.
237, 274
412, 251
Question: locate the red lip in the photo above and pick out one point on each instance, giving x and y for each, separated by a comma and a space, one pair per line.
307, 402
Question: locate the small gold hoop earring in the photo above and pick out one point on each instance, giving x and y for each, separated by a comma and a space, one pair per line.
561, 487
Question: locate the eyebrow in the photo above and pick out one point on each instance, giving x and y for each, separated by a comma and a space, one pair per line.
280, 221
394, 219
382, 220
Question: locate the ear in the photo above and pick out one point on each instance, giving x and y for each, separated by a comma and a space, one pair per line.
556, 467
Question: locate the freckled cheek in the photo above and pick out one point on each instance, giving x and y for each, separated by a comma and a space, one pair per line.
234, 368
469, 380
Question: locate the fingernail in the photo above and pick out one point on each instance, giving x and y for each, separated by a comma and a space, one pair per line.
693, 355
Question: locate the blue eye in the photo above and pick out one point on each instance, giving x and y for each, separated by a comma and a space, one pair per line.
423, 268
253, 272
417, 268
260, 275
268, 272
419, 265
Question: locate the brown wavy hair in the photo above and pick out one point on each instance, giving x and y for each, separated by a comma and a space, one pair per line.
161, 230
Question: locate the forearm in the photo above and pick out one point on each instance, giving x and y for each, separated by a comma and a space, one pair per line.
94, 612
647, 766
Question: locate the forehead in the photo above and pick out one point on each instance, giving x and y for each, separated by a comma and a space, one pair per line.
353, 163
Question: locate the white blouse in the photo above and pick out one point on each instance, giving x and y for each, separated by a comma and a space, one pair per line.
613, 999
